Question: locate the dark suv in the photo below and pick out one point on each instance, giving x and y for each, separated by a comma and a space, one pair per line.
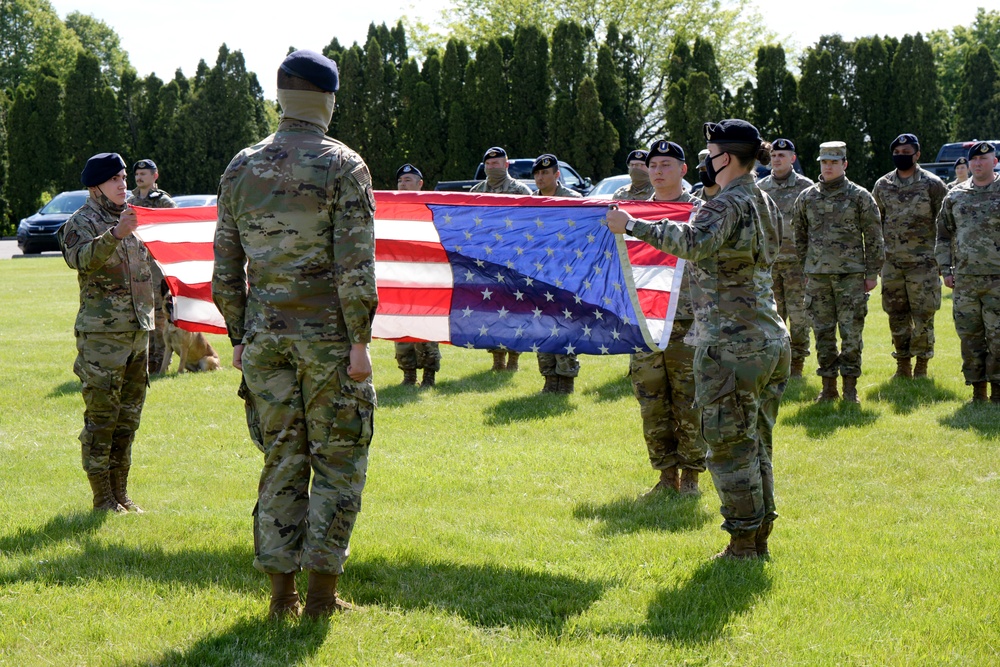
37, 233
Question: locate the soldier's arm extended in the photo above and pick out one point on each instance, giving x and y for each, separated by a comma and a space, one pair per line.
354, 251
84, 250
871, 230
229, 278
708, 231
945, 232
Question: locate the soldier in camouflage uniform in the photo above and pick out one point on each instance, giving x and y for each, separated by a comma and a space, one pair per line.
705, 189
425, 355
838, 240
112, 327
640, 189
968, 252
961, 172
663, 380
742, 353
296, 216
784, 185
148, 195
559, 370
499, 182
908, 200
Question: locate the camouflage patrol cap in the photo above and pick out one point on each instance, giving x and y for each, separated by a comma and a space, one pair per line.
544, 161
408, 169
702, 156
665, 148
314, 67
144, 164
731, 131
639, 155
100, 168
782, 145
981, 148
832, 150
496, 151
961, 161
905, 140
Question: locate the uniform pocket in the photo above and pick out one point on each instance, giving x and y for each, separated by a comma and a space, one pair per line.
722, 415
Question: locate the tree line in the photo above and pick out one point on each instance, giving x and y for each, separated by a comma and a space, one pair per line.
67, 91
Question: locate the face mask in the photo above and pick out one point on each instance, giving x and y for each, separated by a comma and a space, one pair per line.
705, 179
640, 177
496, 174
903, 162
710, 171
310, 106
105, 202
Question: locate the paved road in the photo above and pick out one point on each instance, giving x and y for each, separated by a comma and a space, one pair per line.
9, 250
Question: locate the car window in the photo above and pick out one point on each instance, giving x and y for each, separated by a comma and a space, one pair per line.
569, 177
67, 202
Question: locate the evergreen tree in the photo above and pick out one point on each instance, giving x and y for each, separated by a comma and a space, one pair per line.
378, 144
568, 70
703, 60
90, 119
918, 94
34, 143
351, 111
419, 135
431, 74
740, 105
629, 70
977, 116
609, 92
775, 104
701, 105
530, 91
680, 62
476, 142
6, 222
877, 109
492, 104
596, 139
827, 72
456, 158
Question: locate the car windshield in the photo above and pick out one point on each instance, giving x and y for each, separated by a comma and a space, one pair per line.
67, 202
609, 185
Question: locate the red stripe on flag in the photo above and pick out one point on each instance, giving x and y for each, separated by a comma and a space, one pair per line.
149, 216
200, 326
643, 254
389, 209
394, 250
409, 301
170, 253
201, 291
654, 303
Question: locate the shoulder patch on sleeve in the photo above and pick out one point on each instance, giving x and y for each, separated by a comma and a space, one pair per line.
71, 238
363, 178
715, 206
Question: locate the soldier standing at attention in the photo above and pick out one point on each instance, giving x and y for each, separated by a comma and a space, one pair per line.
663, 380
640, 189
112, 327
908, 200
296, 216
424, 355
499, 182
559, 370
741, 344
838, 240
968, 252
961, 172
783, 185
147, 194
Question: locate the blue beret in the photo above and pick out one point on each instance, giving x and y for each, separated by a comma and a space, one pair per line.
101, 168
544, 161
639, 155
981, 148
782, 145
731, 131
496, 151
905, 140
314, 67
666, 148
408, 169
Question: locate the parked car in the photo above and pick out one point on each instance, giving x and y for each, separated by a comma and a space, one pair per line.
606, 188
520, 169
37, 233
188, 201
944, 165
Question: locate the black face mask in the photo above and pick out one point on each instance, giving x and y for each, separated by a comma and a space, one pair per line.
705, 179
903, 162
710, 171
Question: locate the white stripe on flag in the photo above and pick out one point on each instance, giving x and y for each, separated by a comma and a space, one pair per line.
653, 277
195, 310
179, 232
406, 230
192, 273
428, 327
413, 274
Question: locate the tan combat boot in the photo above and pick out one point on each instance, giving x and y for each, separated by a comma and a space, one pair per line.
428, 378
689, 483
920, 368
851, 389
512, 358
410, 377
551, 384
565, 384
104, 499
995, 392
321, 598
118, 477
498, 360
668, 480
284, 597
903, 368
829, 392
761, 540
797, 364
739, 548
978, 393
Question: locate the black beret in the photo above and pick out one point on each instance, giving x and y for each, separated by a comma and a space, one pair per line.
962, 160
496, 151
408, 169
731, 131
144, 164
637, 155
666, 148
905, 140
782, 145
101, 168
314, 67
544, 161
981, 148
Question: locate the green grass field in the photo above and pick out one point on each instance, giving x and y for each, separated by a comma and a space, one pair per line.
500, 526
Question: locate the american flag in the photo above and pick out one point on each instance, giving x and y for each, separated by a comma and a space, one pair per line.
480, 271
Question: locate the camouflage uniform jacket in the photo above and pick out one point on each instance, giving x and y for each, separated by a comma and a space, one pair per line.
968, 230
509, 186
734, 239
155, 198
116, 283
298, 210
838, 229
784, 193
562, 191
909, 209
630, 192
684, 311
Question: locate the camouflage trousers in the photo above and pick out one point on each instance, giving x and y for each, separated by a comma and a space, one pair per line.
739, 388
837, 300
910, 297
565, 365
411, 356
157, 347
790, 294
314, 421
112, 368
976, 302
663, 382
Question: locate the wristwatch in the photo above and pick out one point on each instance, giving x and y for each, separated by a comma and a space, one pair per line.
630, 225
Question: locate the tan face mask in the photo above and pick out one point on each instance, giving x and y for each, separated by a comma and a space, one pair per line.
640, 177
312, 107
495, 175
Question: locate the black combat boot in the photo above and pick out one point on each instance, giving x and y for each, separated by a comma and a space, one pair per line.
409, 377
119, 488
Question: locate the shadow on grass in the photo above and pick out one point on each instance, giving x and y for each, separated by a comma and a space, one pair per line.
983, 418
251, 642
484, 595
823, 419
906, 396
664, 511
698, 610
483, 381
612, 390
396, 395
799, 391
65, 389
527, 408
71, 526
